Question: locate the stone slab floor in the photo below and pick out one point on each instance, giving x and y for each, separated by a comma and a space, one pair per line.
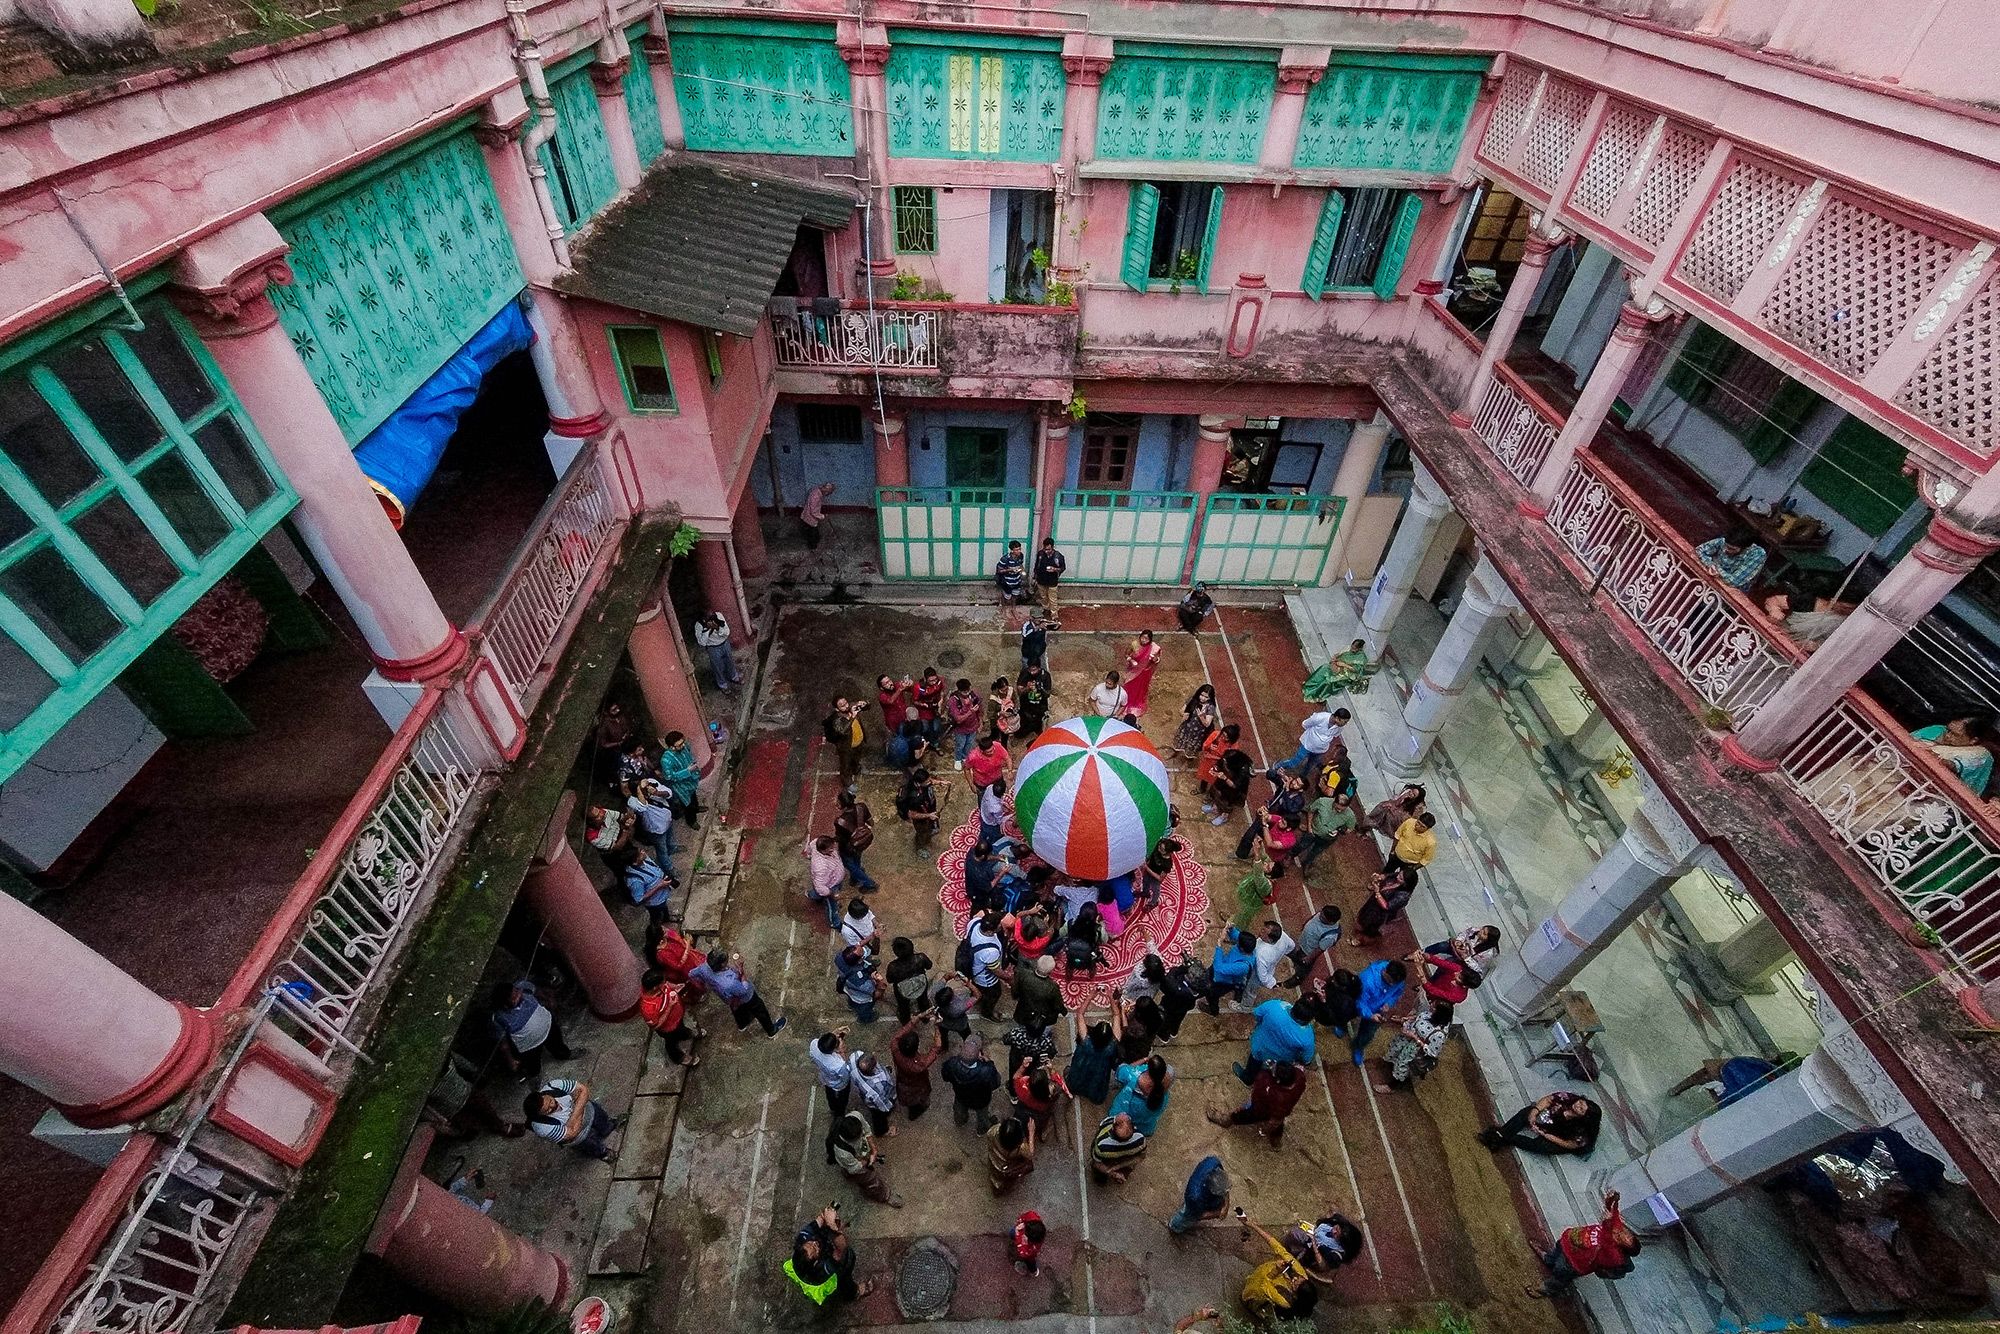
746, 1167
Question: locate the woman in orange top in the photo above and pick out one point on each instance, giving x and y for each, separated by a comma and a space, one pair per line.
1212, 751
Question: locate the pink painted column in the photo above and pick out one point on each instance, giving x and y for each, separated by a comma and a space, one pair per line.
1593, 405
1299, 68
1211, 450
892, 447
753, 558
719, 588
865, 48
222, 283
607, 79
85, 1034
439, 1244
1506, 323
563, 895
666, 680
660, 67
1055, 463
1932, 568
1085, 61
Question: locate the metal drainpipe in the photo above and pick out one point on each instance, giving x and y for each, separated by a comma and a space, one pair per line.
528, 58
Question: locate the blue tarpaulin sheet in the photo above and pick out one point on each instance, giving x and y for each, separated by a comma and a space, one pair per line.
399, 456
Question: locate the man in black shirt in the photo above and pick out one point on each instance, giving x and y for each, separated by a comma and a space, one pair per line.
1049, 567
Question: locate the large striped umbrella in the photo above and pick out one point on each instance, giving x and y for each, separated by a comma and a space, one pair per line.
1091, 795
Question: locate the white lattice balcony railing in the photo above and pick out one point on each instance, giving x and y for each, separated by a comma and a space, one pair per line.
889, 339
534, 599
1920, 834
1515, 425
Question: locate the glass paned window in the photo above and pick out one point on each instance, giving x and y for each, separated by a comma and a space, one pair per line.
642, 365
184, 384
829, 423
229, 452
43, 585
14, 525
173, 487
98, 384
117, 537
1180, 233
39, 445
1365, 223
916, 220
1110, 442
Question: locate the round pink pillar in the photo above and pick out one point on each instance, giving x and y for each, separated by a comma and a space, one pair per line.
1055, 466
719, 588
85, 1034
222, 283
1521, 287
607, 79
1593, 404
563, 895
892, 450
746, 530
438, 1243
666, 682
1211, 450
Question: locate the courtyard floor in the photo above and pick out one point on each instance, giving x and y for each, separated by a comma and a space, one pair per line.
1443, 1216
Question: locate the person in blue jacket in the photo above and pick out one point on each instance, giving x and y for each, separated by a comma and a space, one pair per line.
1381, 992
1228, 971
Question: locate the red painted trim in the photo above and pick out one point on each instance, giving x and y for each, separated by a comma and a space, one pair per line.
484, 664
1452, 325
292, 1155
1531, 508
104, 1208
1732, 750
1459, 419
1959, 541
625, 468
998, 307
580, 428
254, 974
193, 1049
427, 667
565, 1281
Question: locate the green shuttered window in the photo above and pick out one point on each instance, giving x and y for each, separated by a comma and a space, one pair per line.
578, 159
1171, 230
642, 102
778, 88
392, 273
1154, 109
642, 367
1361, 242
974, 101
1859, 472
1387, 117
129, 483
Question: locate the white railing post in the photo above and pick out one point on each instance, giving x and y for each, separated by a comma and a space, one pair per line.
890, 339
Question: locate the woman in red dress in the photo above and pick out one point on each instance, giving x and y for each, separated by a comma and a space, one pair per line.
1140, 664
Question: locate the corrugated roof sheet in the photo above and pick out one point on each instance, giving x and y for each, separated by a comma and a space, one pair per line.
700, 243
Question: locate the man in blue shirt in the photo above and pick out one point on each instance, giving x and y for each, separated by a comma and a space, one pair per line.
728, 980
1206, 1195
1284, 1032
1228, 971
1381, 992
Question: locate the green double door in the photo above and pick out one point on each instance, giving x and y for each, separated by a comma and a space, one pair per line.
975, 457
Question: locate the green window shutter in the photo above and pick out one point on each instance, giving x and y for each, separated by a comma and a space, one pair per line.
1139, 219
1775, 429
1705, 354
643, 103
1313, 281
1208, 240
1859, 472
1397, 248
743, 91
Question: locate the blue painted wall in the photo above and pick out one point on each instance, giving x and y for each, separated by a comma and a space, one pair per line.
1329, 432
1166, 449
848, 464
927, 428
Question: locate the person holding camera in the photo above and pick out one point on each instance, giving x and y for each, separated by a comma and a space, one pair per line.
843, 731
822, 1261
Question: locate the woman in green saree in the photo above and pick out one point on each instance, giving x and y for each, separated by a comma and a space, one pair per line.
1344, 672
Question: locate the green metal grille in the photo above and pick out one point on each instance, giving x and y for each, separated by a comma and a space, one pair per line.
1371, 117
947, 532
392, 275
1281, 540
974, 103
1192, 110
745, 93
589, 181
131, 481
642, 103
1124, 537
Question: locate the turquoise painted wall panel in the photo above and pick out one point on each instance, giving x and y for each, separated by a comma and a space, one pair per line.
1369, 117
586, 153
753, 94
975, 103
1166, 110
392, 276
643, 104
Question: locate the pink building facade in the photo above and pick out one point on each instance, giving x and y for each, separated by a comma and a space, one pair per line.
1022, 271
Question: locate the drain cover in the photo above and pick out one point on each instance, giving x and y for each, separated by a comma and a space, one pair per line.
926, 1281
951, 657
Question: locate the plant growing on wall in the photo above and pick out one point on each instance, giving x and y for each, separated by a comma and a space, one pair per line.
1076, 407
1187, 267
685, 539
912, 286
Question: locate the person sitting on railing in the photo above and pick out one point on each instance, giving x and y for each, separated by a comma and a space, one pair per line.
1737, 557
1806, 619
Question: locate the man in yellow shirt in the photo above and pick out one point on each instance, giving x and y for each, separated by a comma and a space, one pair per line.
1415, 843
1281, 1287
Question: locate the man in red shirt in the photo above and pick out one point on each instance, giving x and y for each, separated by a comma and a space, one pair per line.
989, 762
1604, 1248
1276, 1090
